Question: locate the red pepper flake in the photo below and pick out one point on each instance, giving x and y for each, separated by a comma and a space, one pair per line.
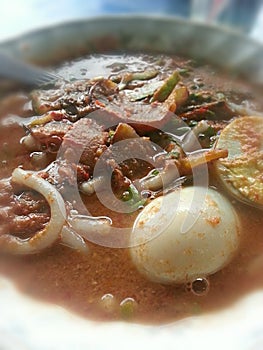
214, 221
99, 104
43, 174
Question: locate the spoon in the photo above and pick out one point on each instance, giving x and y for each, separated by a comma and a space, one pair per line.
25, 73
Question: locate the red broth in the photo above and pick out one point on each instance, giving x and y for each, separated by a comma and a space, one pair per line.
79, 282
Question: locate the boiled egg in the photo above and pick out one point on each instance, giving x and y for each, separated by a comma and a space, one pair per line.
189, 233
242, 171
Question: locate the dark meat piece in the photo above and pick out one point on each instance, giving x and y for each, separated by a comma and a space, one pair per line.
78, 98
141, 116
135, 157
82, 173
85, 142
210, 111
119, 182
6, 191
26, 213
65, 95
61, 172
31, 213
29, 224
109, 106
51, 132
30, 202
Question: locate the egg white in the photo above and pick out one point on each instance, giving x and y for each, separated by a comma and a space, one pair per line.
186, 234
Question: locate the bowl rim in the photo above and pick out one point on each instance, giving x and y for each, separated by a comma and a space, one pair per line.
51, 327
132, 16
213, 39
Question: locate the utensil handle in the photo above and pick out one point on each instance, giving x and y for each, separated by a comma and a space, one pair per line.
19, 71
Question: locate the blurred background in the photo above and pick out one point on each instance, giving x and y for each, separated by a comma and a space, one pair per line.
19, 16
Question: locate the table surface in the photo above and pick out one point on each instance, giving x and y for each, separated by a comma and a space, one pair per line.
18, 16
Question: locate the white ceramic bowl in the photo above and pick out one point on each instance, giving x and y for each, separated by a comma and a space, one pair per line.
32, 325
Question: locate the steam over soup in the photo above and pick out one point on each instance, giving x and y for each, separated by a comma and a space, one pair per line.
135, 190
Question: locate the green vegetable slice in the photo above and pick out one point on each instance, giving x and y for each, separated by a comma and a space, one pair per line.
128, 77
164, 91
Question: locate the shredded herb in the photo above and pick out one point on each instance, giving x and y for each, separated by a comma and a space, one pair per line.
209, 135
126, 196
192, 123
111, 134
128, 77
210, 131
210, 114
200, 97
220, 95
184, 72
164, 91
155, 172
133, 197
174, 155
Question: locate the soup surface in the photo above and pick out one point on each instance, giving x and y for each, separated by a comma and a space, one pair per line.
82, 160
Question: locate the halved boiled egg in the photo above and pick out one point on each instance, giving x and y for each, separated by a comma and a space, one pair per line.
242, 171
189, 233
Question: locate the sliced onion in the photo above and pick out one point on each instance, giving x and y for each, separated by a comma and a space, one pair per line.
51, 233
73, 240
